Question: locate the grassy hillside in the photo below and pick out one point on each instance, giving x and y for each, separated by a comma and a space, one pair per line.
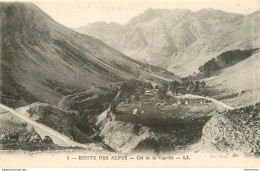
40, 57
241, 34
224, 60
241, 78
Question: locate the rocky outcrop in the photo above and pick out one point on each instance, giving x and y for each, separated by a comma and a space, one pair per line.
234, 131
104, 118
123, 137
120, 136
13, 129
20, 136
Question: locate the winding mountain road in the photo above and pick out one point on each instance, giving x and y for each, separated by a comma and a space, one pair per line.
163, 78
63, 103
208, 98
56, 136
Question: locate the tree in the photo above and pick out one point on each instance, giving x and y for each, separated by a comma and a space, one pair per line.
141, 90
196, 86
157, 87
136, 96
148, 85
201, 68
210, 67
112, 107
162, 91
130, 85
203, 84
191, 86
174, 86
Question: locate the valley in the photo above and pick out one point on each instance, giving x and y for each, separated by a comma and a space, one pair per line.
164, 83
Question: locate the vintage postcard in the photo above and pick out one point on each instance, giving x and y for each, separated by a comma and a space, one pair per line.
142, 83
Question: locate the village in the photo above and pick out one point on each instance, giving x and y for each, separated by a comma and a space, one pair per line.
164, 97
175, 121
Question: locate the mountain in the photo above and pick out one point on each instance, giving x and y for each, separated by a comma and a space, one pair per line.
180, 40
105, 31
242, 80
42, 60
241, 34
158, 36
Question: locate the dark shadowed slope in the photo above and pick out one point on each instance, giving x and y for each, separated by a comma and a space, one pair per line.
42, 60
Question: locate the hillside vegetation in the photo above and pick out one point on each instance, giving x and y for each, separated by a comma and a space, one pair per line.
224, 60
241, 79
42, 59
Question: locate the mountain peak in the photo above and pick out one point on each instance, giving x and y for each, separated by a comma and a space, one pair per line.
207, 10
211, 11
21, 6
145, 16
104, 23
151, 14
25, 19
16, 3
255, 13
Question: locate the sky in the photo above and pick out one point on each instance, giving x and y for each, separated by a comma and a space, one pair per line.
78, 13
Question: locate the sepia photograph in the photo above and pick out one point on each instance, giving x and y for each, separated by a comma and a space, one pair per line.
138, 83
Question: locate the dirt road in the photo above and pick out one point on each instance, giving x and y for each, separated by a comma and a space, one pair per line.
61, 139
208, 98
163, 78
63, 103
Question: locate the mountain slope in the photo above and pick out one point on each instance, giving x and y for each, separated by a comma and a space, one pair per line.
42, 60
242, 78
157, 36
242, 34
181, 40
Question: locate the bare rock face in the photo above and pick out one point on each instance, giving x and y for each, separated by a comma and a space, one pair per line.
123, 137
161, 36
104, 118
235, 131
120, 136
179, 39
